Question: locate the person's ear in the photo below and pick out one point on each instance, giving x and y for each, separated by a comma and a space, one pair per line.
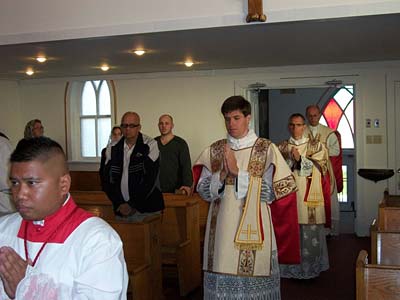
65, 183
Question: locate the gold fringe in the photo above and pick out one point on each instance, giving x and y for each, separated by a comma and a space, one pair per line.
249, 247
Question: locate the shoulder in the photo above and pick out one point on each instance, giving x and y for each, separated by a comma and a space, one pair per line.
325, 128
148, 139
179, 140
98, 229
5, 144
10, 224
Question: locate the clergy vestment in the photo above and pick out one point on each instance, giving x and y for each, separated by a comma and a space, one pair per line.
331, 140
74, 256
240, 251
313, 200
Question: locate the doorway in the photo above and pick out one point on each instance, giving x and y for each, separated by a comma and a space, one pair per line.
274, 106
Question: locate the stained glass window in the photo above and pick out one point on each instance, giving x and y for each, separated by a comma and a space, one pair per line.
338, 114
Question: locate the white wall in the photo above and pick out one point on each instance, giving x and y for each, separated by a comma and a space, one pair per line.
55, 20
10, 107
194, 99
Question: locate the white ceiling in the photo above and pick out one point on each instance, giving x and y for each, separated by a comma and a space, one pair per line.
360, 39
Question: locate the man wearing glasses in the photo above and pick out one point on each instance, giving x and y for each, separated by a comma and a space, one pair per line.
132, 171
308, 162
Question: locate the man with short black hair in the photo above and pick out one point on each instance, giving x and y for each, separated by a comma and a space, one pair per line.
51, 249
242, 177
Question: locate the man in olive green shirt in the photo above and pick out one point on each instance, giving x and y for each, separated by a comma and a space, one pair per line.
175, 164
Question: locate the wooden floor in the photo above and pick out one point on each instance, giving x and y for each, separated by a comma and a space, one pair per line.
336, 283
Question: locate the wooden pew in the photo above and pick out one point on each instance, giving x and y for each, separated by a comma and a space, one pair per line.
96, 202
376, 281
146, 236
180, 239
85, 181
389, 213
385, 246
136, 240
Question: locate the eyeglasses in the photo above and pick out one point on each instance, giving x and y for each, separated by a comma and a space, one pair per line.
124, 125
297, 125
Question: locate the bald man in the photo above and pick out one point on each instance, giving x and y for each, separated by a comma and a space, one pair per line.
50, 248
331, 140
132, 172
175, 165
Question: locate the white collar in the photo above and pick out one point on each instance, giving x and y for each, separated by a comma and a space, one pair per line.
244, 142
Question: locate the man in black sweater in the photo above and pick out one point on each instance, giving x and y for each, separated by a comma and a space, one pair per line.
132, 172
175, 165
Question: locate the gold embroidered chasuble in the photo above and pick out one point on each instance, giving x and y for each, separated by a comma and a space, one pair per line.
321, 136
239, 235
310, 196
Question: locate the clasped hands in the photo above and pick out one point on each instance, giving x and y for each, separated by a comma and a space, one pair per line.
12, 270
126, 210
295, 154
229, 164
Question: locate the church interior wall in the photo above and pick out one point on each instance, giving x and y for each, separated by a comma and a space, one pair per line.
194, 100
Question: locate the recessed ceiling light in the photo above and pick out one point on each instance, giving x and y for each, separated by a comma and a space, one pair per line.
188, 63
41, 59
139, 52
105, 68
29, 72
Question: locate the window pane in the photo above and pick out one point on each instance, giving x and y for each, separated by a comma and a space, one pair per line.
346, 134
343, 97
343, 195
104, 100
88, 137
349, 112
323, 121
332, 114
103, 133
96, 83
88, 107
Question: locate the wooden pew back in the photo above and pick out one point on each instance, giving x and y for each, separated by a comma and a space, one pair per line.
136, 241
180, 239
389, 213
85, 181
376, 281
95, 202
385, 246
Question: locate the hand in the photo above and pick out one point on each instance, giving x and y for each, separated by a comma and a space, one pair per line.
230, 161
12, 270
295, 154
126, 210
187, 190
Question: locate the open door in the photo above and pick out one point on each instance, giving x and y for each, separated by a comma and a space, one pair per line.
276, 105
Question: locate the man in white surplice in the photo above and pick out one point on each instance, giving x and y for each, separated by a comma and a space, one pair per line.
51, 249
241, 176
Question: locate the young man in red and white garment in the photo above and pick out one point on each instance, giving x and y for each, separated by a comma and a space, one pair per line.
308, 161
51, 249
332, 142
243, 177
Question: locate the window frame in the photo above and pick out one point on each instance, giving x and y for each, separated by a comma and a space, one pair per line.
73, 98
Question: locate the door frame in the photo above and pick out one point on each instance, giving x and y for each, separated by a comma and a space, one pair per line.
241, 87
393, 78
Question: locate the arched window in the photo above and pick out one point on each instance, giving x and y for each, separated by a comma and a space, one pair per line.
91, 112
338, 114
